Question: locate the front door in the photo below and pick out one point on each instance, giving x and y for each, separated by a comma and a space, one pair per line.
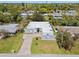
38, 30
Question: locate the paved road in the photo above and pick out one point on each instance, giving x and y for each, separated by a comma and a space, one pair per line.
26, 46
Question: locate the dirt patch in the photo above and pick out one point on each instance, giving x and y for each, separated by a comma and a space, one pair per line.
46, 46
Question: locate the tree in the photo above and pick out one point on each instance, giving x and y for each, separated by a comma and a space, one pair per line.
43, 10
64, 40
59, 39
23, 23
19, 18
37, 17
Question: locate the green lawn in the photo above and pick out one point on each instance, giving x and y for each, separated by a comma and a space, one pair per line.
11, 43
50, 47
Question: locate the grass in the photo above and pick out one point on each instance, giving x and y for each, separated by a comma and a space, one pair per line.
11, 43
51, 47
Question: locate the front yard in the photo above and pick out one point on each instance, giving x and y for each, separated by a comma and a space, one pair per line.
11, 43
50, 47
44, 47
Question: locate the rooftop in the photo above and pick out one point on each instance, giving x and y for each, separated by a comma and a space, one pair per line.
46, 27
11, 28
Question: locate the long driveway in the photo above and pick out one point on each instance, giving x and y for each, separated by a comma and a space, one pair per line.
26, 46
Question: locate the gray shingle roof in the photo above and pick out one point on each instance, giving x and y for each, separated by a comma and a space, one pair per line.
11, 28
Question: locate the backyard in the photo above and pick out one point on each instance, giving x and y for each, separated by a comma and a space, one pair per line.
50, 47
11, 43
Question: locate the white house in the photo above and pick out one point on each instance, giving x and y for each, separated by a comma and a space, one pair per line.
71, 13
23, 14
6, 13
45, 14
57, 14
44, 27
30, 12
26, 13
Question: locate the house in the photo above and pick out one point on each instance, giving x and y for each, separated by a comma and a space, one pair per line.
27, 13
71, 13
45, 14
23, 14
10, 28
44, 27
72, 29
30, 12
57, 14
6, 13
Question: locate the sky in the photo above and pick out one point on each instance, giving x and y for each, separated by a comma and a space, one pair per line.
39, 1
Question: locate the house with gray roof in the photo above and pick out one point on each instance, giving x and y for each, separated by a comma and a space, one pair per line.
10, 28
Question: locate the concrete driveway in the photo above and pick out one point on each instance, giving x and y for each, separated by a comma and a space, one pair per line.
26, 46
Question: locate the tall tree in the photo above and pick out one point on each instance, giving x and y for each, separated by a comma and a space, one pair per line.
64, 40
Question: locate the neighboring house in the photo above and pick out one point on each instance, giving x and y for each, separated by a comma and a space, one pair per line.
27, 13
72, 29
43, 27
71, 13
6, 13
57, 14
30, 12
10, 28
45, 14
23, 14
